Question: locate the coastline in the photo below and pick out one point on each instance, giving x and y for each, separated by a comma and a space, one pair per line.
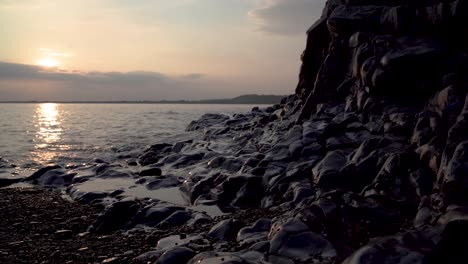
366, 163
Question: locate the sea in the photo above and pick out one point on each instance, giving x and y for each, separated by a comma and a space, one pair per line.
35, 135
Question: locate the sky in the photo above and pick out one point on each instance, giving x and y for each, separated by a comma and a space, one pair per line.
151, 49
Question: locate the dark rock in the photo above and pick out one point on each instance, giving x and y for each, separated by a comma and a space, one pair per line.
207, 120
115, 216
327, 172
177, 255
452, 246
455, 182
410, 71
225, 230
367, 147
153, 214
386, 250
294, 240
36, 175
215, 258
346, 19
87, 197
255, 233
241, 191
393, 179
150, 172
176, 219
7, 181
263, 246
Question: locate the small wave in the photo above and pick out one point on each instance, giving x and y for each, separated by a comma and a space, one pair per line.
172, 113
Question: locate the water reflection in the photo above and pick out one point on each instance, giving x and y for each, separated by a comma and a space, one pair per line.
49, 132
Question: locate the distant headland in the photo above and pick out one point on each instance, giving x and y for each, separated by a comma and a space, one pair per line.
242, 99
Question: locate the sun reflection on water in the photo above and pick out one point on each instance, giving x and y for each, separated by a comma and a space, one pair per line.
49, 132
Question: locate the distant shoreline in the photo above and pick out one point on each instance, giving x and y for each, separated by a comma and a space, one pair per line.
243, 99
117, 102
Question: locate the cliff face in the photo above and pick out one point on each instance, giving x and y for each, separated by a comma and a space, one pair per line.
392, 76
393, 49
402, 62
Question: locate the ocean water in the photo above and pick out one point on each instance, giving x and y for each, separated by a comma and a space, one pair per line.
35, 135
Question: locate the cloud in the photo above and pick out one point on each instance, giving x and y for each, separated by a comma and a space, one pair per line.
46, 52
29, 82
21, 82
286, 17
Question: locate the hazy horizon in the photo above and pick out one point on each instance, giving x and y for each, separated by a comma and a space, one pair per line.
110, 50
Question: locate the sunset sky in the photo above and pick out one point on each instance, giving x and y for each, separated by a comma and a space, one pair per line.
151, 50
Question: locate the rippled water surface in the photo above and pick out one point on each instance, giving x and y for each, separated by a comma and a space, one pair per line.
33, 135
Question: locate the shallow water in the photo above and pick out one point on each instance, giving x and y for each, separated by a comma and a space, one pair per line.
130, 189
34, 135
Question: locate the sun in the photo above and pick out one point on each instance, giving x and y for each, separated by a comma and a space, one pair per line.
48, 62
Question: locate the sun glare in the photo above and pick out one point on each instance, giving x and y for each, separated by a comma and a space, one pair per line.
48, 62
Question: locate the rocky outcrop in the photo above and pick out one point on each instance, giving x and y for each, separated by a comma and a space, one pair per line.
369, 50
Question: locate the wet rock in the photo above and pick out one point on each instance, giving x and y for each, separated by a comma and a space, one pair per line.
228, 164
263, 246
177, 255
225, 230
36, 175
301, 193
375, 127
393, 179
399, 65
425, 214
188, 159
346, 19
241, 191
7, 181
422, 180
257, 232
150, 172
455, 182
176, 241
293, 239
453, 243
56, 178
312, 131
207, 120
367, 147
200, 219
212, 257
279, 152
340, 142
85, 197
385, 250
114, 172
202, 186
149, 255
115, 216
399, 124
179, 146
454, 213
176, 219
295, 148
153, 183
305, 244
153, 214
327, 172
